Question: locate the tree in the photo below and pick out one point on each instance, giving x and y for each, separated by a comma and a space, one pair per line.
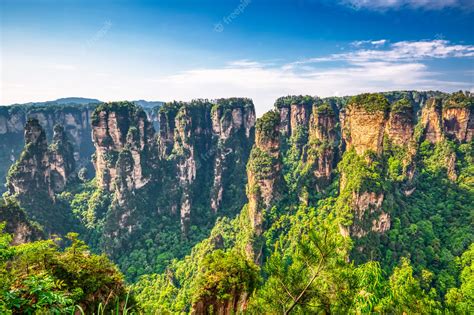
461, 300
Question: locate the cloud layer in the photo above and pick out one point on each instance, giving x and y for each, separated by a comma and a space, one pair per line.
413, 4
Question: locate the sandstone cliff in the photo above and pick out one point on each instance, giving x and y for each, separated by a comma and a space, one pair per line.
74, 118
123, 138
18, 224
322, 150
265, 178
40, 173
205, 146
177, 181
233, 122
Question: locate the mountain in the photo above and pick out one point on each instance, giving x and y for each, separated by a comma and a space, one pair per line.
323, 205
63, 101
148, 104
73, 113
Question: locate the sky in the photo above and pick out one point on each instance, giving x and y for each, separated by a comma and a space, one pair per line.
263, 49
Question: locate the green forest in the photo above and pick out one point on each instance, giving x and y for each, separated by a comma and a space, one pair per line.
351, 205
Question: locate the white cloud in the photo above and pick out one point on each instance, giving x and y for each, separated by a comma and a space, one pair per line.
402, 51
376, 43
244, 63
413, 4
265, 84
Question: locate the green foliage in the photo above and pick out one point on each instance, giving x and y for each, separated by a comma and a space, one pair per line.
306, 275
459, 100
461, 300
289, 100
260, 163
402, 106
121, 108
267, 125
224, 274
228, 104
406, 294
325, 109
39, 277
371, 103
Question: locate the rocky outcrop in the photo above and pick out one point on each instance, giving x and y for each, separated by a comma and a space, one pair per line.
192, 137
322, 151
458, 117
264, 173
29, 172
364, 122
431, 121
401, 122
236, 304
18, 224
457, 123
74, 118
294, 113
233, 122
368, 215
41, 167
73, 115
61, 161
205, 146
121, 129
41, 172
177, 181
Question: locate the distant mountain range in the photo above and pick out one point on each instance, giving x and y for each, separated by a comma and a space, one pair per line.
85, 101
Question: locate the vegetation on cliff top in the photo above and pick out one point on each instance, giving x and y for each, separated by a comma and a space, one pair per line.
267, 125
459, 100
403, 105
289, 100
370, 102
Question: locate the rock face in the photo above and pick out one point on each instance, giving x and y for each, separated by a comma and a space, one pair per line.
312, 144
368, 214
74, 118
41, 172
235, 305
18, 224
458, 123
401, 122
364, 124
30, 170
61, 160
123, 138
322, 148
41, 167
206, 145
431, 120
264, 173
458, 117
233, 122
188, 173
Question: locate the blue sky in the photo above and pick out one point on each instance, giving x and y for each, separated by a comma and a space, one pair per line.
166, 50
